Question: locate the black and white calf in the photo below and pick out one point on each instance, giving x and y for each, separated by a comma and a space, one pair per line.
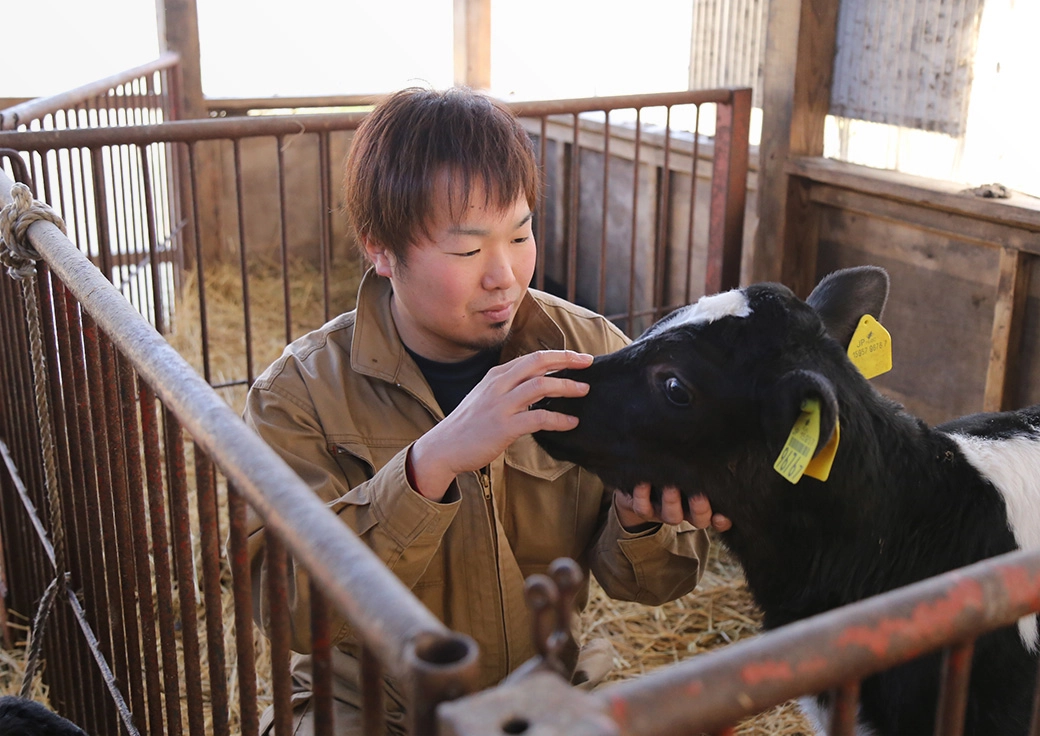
705, 401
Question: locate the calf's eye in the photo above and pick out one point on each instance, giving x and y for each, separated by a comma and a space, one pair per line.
675, 392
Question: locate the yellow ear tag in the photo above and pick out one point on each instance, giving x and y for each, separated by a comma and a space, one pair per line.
820, 466
870, 348
801, 443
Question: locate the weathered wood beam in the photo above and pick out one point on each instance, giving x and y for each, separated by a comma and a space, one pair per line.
799, 65
1008, 315
473, 43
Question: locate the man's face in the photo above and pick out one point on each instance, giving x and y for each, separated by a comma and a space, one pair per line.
463, 284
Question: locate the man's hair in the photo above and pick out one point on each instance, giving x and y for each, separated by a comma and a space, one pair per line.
418, 134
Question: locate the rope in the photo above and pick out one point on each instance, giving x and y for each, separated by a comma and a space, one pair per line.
18, 255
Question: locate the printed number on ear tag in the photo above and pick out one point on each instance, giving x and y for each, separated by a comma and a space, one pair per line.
796, 458
870, 348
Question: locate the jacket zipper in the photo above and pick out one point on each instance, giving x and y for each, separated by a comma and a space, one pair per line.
485, 484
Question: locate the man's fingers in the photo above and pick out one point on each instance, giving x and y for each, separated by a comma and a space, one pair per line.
700, 512
671, 505
641, 501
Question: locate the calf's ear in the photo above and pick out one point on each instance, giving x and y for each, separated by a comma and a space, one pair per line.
844, 296
784, 406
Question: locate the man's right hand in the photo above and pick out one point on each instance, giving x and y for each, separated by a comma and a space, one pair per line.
494, 415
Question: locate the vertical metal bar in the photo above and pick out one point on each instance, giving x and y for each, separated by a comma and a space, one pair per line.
64, 643
88, 511
153, 457
199, 271
139, 525
601, 295
543, 147
101, 213
321, 662
728, 193
574, 215
243, 263
123, 539
325, 251
282, 198
662, 246
692, 222
238, 551
843, 713
209, 533
94, 341
632, 260
278, 595
159, 319
182, 559
372, 715
953, 689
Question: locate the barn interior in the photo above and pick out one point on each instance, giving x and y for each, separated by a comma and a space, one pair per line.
201, 233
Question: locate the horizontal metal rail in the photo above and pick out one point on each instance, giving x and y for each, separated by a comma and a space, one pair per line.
37, 108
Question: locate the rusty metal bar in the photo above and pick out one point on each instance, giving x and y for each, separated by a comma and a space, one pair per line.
160, 552
953, 689
242, 590
373, 720
180, 528
280, 633
124, 560
209, 533
661, 231
630, 323
692, 220
573, 215
601, 294
200, 279
283, 221
247, 319
728, 193
139, 525
325, 222
845, 704
543, 194
721, 687
321, 663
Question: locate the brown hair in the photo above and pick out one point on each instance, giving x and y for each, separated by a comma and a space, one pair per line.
415, 135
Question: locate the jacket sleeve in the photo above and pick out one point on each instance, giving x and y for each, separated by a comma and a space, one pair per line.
402, 527
651, 567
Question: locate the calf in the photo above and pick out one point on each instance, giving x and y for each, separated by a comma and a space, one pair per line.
706, 399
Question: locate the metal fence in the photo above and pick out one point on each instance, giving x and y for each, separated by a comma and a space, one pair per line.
151, 471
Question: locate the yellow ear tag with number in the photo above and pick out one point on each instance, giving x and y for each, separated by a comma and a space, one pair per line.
870, 348
796, 457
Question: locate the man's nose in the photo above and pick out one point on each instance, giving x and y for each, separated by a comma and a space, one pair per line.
499, 271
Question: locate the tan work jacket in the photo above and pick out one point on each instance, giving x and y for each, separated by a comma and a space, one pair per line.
342, 406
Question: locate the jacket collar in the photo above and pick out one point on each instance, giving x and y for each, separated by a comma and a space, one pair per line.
377, 351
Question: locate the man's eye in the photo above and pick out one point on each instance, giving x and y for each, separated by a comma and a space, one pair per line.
676, 392
468, 253
524, 239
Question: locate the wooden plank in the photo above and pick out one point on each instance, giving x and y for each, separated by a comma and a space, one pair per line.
921, 215
1008, 315
1020, 210
472, 46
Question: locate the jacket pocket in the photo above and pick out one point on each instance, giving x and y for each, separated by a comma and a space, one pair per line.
528, 457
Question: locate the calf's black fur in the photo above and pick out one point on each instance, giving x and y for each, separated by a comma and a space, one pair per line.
705, 400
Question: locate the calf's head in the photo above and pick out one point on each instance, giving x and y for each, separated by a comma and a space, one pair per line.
708, 395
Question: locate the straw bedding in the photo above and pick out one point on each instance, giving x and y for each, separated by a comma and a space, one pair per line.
717, 613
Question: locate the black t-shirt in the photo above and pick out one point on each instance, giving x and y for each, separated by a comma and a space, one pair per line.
451, 382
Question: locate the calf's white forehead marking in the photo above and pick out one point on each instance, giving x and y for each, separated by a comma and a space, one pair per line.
1013, 467
710, 308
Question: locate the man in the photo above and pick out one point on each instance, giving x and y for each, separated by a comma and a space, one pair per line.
410, 415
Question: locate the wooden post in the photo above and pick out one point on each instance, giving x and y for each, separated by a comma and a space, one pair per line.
799, 63
473, 43
178, 27
1008, 315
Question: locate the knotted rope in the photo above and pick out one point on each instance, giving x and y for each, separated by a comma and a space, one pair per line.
18, 255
